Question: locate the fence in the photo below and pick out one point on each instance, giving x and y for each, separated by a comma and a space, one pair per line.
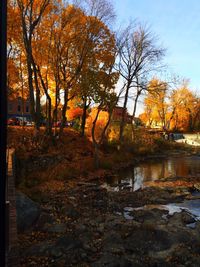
12, 258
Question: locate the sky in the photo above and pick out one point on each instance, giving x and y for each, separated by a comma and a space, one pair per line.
176, 23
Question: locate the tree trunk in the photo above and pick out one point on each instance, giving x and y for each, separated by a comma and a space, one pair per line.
103, 135
122, 124
31, 90
133, 116
96, 147
85, 107
55, 111
64, 109
48, 105
190, 121
37, 100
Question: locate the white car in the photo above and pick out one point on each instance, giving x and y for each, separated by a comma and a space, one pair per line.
29, 123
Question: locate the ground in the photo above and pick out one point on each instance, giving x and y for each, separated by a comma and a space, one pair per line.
83, 224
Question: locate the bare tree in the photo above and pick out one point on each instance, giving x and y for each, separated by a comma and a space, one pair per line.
101, 9
139, 55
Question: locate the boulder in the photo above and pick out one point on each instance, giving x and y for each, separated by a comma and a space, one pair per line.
68, 242
55, 228
70, 211
27, 210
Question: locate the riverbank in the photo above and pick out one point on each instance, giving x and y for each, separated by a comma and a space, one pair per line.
42, 164
80, 223
85, 225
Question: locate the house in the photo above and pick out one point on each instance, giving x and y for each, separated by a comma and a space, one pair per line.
117, 115
19, 108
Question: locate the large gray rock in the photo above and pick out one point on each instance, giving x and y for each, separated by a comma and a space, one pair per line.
27, 212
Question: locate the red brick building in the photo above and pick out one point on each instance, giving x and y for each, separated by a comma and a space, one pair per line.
117, 115
19, 108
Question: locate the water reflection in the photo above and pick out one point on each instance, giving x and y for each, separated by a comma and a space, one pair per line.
134, 179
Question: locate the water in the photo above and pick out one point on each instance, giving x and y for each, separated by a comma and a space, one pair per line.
158, 170
192, 207
139, 176
190, 139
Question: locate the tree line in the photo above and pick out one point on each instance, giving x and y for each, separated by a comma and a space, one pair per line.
170, 108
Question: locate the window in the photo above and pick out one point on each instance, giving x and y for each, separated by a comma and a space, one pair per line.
19, 108
27, 108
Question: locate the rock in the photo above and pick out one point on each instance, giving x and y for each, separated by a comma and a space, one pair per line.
109, 260
187, 218
146, 237
70, 211
86, 247
83, 255
56, 228
149, 216
68, 242
80, 228
181, 218
40, 249
197, 186
56, 252
176, 219
44, 219
198, 227
28, 212
100, 229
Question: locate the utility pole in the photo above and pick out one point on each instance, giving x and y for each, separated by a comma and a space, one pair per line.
3, 128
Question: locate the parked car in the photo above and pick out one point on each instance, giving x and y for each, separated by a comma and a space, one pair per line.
22, 123
57, 124
69, 123
29, 123
13, 121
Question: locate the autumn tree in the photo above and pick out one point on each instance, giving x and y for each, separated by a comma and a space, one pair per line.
98, 66
106, 100
13, 50
31, 13
184, 108
156, 106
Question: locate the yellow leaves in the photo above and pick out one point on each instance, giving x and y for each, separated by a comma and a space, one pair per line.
177, 109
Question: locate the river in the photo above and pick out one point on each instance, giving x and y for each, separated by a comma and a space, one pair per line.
139, 176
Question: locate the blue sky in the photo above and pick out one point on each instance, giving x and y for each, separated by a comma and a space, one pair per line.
177, 25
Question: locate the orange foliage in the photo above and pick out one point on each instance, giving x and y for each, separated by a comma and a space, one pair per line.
101, 122
74, 113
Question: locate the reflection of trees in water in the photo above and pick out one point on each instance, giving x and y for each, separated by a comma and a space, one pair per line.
187, 166
182, 168
166, 168
152, 171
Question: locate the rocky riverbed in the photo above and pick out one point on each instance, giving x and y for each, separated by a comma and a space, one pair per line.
85, 224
